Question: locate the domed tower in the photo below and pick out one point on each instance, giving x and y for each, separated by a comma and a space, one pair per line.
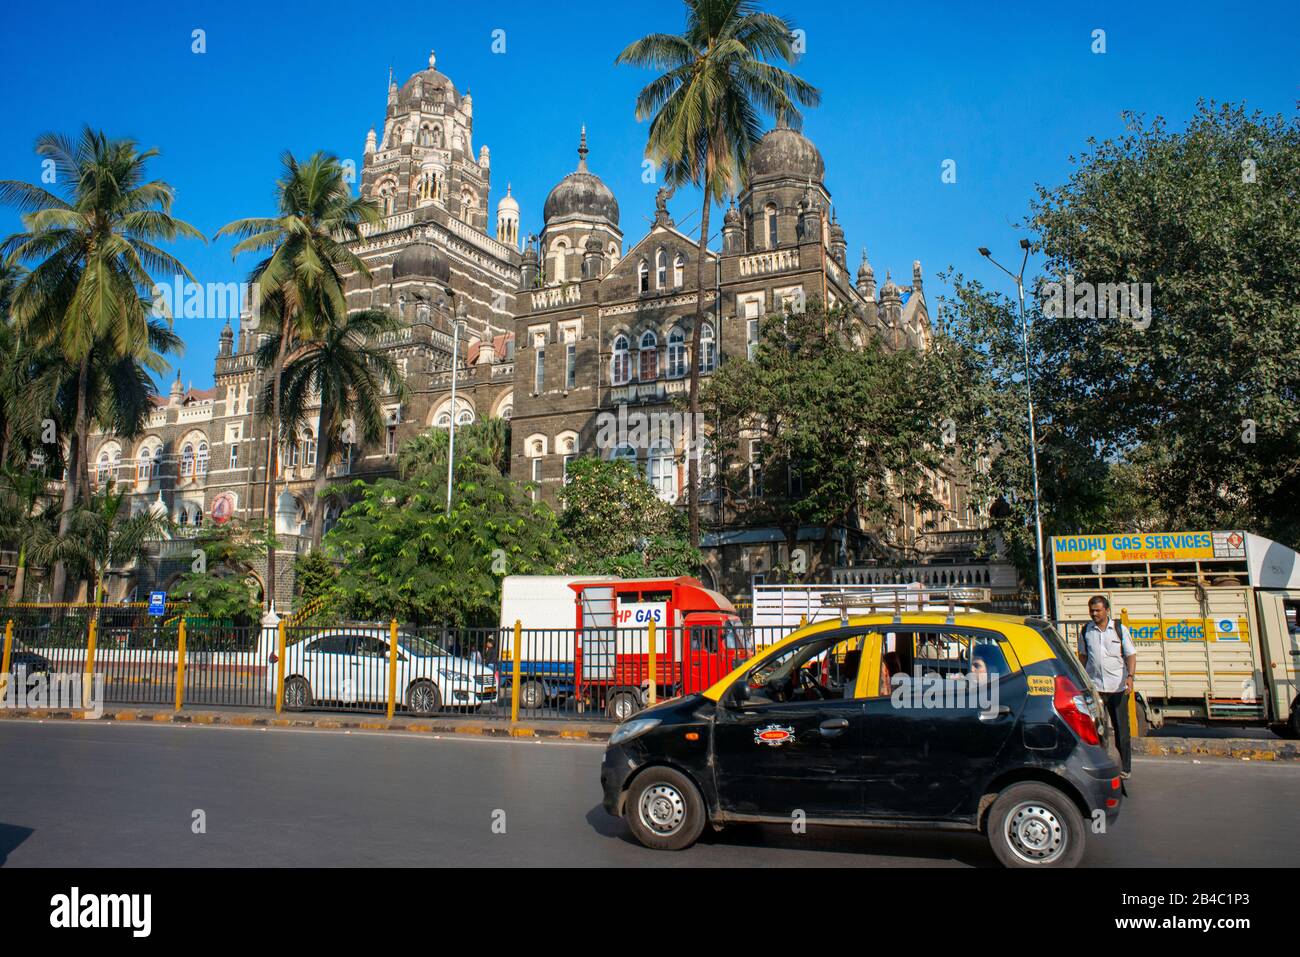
420, 277
425, 157
508, 220
782, 168
579, 208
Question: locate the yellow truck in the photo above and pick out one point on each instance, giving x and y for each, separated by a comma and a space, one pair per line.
1213, 615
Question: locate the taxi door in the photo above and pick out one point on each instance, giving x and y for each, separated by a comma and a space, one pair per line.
772, 758
927, 743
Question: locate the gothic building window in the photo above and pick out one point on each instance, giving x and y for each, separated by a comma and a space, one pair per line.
708, 349
661, 471
649, 358
437, 137
624, 453
769, 214
643, 277
676, 353
620, 362
102, 472
560, 254
679, 270
144, 465
426, 137
570, 365
661, 270
187, 461
309, 448
202, 461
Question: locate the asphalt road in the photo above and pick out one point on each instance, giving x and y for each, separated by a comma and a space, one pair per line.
117, 794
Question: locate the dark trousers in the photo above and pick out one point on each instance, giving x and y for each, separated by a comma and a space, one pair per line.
1117, 708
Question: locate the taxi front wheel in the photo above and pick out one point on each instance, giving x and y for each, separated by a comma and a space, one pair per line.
664, 810
1035, 825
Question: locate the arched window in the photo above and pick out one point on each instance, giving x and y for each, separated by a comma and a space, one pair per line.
309, 448
198, 515
770, 215
708, 349
144, 465
507, 411
561, 254
643, 277
184, 518
624, 453
465, 417
662, 472
187, 461
620, 366
117, 464
649, 359
202, 462
101, 473
661, 269
437, 137
679, 270
426, 138
676, 353
443, 421
293, 452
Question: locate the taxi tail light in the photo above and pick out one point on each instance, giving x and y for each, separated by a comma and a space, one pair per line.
1072, 706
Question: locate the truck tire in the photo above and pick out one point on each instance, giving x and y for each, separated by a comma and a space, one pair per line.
664, 810
1036, 825
622, 706
532, 694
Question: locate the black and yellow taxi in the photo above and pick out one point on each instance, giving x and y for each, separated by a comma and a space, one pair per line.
919, 719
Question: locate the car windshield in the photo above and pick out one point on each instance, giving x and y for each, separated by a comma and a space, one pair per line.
421, 647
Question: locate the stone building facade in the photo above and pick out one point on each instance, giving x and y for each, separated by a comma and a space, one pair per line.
556, 332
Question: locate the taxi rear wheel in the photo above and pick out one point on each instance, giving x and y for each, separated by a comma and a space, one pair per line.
664, 810
1036, 825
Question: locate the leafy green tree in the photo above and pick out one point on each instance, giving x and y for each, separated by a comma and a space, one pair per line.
404, 555
102, 537
705, 110
223, 589
1184, 414
846, 432
314, 577
26, 517
302, 292
616, 524
93, 254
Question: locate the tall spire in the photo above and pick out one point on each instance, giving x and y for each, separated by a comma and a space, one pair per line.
582, 150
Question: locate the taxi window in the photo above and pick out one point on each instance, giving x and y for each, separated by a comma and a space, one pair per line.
938, 652
818, 669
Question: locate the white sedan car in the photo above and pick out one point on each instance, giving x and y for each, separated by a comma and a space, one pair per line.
349, 665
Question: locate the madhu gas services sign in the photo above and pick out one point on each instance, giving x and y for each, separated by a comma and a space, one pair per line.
1148, 547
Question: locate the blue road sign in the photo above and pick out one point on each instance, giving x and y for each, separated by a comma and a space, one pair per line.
157, 602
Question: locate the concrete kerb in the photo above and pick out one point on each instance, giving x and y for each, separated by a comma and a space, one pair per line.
563, 730
1243, 749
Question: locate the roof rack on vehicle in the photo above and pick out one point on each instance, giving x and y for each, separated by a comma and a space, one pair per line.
907, 598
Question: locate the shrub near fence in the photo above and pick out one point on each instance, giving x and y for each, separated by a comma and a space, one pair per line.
493, 673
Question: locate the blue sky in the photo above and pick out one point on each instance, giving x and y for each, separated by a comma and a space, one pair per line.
1007, 90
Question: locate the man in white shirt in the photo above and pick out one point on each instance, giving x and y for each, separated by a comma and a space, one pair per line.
1107, 652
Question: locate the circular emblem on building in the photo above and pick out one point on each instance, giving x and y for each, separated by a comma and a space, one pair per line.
223, 508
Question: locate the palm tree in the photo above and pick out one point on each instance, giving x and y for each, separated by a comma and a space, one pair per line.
94, 252
339, 369
705, 113
100, 538
25, 518
301, 283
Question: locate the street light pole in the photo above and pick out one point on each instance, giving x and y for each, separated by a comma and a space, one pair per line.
1029, 403
451, 446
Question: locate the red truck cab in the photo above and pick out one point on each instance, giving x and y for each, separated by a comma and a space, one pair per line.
698, 639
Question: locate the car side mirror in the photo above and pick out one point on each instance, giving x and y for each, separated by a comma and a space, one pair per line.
738, 694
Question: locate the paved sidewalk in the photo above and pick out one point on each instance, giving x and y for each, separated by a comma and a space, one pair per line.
1164, 745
